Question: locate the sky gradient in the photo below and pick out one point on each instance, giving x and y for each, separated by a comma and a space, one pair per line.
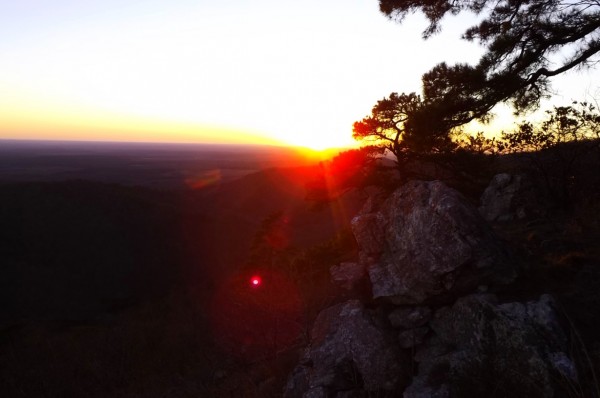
229, 71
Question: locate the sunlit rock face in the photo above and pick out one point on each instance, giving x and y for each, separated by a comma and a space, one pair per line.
426, 241
479, 346
351, 350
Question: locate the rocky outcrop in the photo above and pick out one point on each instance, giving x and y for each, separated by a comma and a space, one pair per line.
351, 351
409, 317
427, 241
509, 197
348, 275
478, 346
411, 323
427, 250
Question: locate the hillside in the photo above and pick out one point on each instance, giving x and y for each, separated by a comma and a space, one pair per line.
120, 290
84, 262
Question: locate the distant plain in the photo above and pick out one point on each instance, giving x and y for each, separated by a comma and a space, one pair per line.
155, 165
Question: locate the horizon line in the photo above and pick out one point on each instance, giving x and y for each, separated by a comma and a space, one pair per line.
194, 143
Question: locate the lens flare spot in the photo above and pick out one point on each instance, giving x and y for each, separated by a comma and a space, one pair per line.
256, 314
204, 179
255, 281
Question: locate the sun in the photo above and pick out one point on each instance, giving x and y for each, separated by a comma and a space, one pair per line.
315, 146
319, 142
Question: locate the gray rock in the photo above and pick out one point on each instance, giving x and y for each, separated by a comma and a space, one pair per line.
427, 240
428, 392
348, 275
412, 337
351, 350
513, 349
297, 383
352, 394
409, 317
317, 392
509, 197
369, 233
564, 366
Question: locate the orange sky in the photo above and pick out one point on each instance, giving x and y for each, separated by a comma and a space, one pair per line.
262, 71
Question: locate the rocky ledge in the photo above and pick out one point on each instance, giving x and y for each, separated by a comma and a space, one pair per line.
431, 328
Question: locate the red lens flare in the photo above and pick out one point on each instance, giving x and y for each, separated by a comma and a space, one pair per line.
256, 314
255, 281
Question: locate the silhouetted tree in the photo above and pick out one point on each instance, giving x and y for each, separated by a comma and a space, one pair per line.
522, 39
394, 124
556, 146
403, 125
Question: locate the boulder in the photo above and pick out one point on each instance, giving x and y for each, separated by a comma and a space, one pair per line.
297, 383
508, 197
369, 234
479, 346
351, 351
426, 241
348, 275
412, 337
409, 317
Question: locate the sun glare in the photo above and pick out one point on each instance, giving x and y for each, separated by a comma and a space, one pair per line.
319, 142
318, 146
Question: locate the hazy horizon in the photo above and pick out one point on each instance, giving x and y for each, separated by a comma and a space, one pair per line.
151, 164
